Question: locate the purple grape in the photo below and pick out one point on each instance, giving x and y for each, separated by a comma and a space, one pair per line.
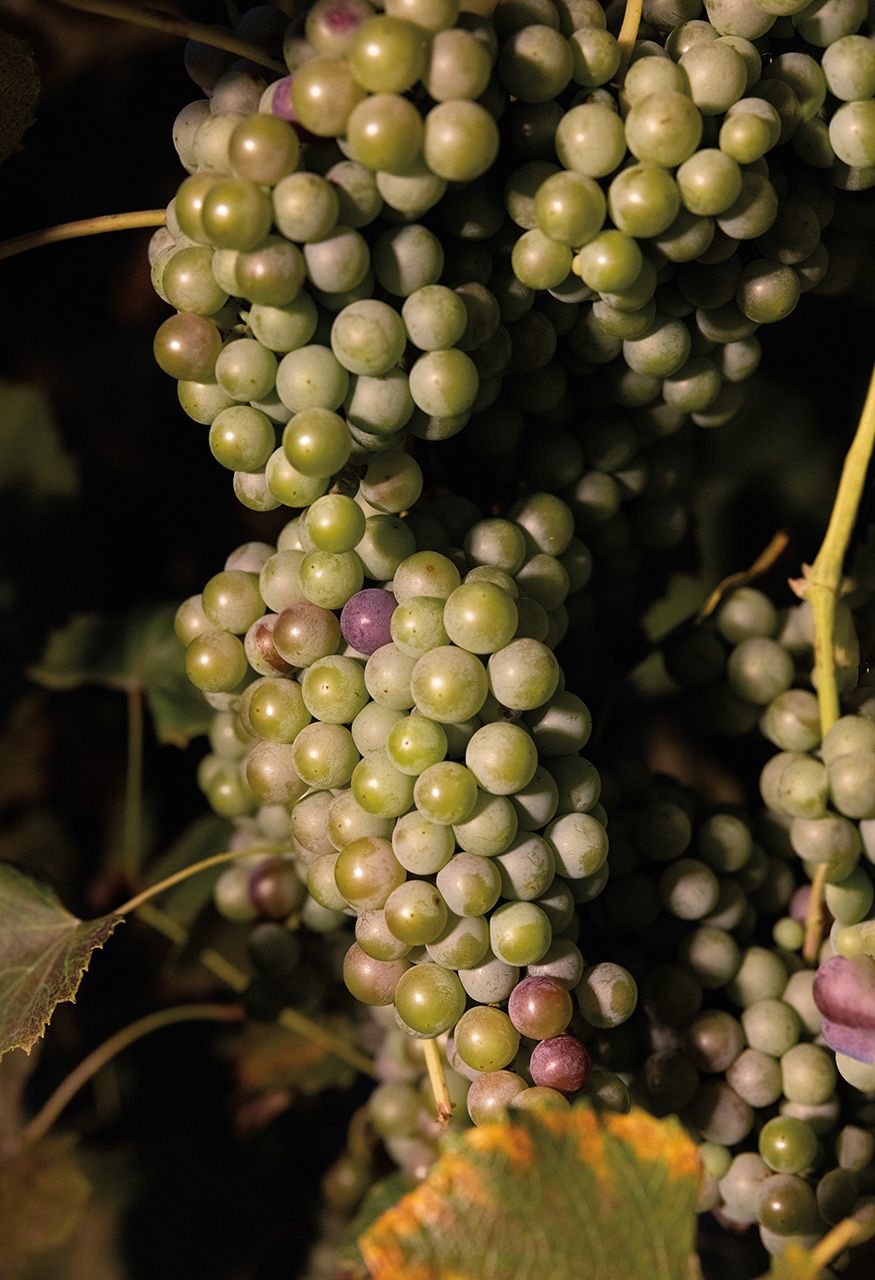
844, 992
281, 99
275, 889
854, 1042
561, 1063
364, 621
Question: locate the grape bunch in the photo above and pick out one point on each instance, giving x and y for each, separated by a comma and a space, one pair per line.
459, 292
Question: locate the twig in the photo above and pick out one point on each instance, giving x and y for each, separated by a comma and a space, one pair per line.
438, 1081
628, 35
184, 28
763, 563
844, 1235
183, 874
99, 1057
821, 584
84, 227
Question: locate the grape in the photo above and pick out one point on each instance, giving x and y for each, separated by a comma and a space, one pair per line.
491, 1093
373, 981
562, 1063
519, 932
607, 995
429, 998
486, 1039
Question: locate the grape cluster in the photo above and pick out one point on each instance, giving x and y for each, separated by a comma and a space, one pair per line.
447, 239
440, 221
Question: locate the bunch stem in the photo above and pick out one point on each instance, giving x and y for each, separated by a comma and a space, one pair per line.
438, 1081
822, 585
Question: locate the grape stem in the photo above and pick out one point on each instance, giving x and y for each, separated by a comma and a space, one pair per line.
183, 874
821, 586
84, 227
184, 28
764, 561
438, 1081
133, 811
844, 1235
227, 972
628, 35
104, 1053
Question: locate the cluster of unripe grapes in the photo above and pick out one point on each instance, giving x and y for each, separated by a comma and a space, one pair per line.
452, 223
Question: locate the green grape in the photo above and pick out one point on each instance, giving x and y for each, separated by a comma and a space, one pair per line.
502, 757
689, 889
519, 933
787, 1145
306, 207
368, 338
380, 788
434, 317
590, 140
422, 847
338, 264
561, 726
611, 261
808, 1074
851, 900
417, 626
709, 182
252, 489
236, 214
330, 580
324, 94
543, 1098
480, 617
755, 1077
786, 1206
491, 981
387, 678
491, 1093
444, 383
392, 482
430, 999
231, 600
643, 200
415, 743
848, 65
753, 211
335, 523
334, 690
275, 709
215, 662
661, 351
852, 133
535, 63
384, 132
416, 913
470, 885
448, 684
325, 755
607, 995
717, 76
446, 792
285, 328
312, 378
461, 944
316, 441
360, 201
188, 282
710, 955
366, 873
526, 868
242, 438
271, 274
263, 149
771, 1025
461, 140
486, 1039
203, 401
370, 981
348, 821
187, 346
596, 57
271, 774
664, 128
490, 828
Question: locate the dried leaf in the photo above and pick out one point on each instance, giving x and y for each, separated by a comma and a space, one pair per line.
604, 1197
44, 951
19, 91
140, 651
268, 1057
381, 1197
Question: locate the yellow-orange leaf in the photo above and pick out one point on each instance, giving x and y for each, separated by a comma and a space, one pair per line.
559, 1193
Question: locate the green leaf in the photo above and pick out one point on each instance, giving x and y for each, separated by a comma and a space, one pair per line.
44, 951
381, 1197
139, 651
603, 1196
19, 92
33, 462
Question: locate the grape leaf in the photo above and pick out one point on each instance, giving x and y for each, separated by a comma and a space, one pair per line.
33, 462
603, 1196
44, 951
139, 651
19, 91
380, 1197
269, 1057
43, 1192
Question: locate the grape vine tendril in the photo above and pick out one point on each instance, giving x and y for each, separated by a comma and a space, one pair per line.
81, 228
